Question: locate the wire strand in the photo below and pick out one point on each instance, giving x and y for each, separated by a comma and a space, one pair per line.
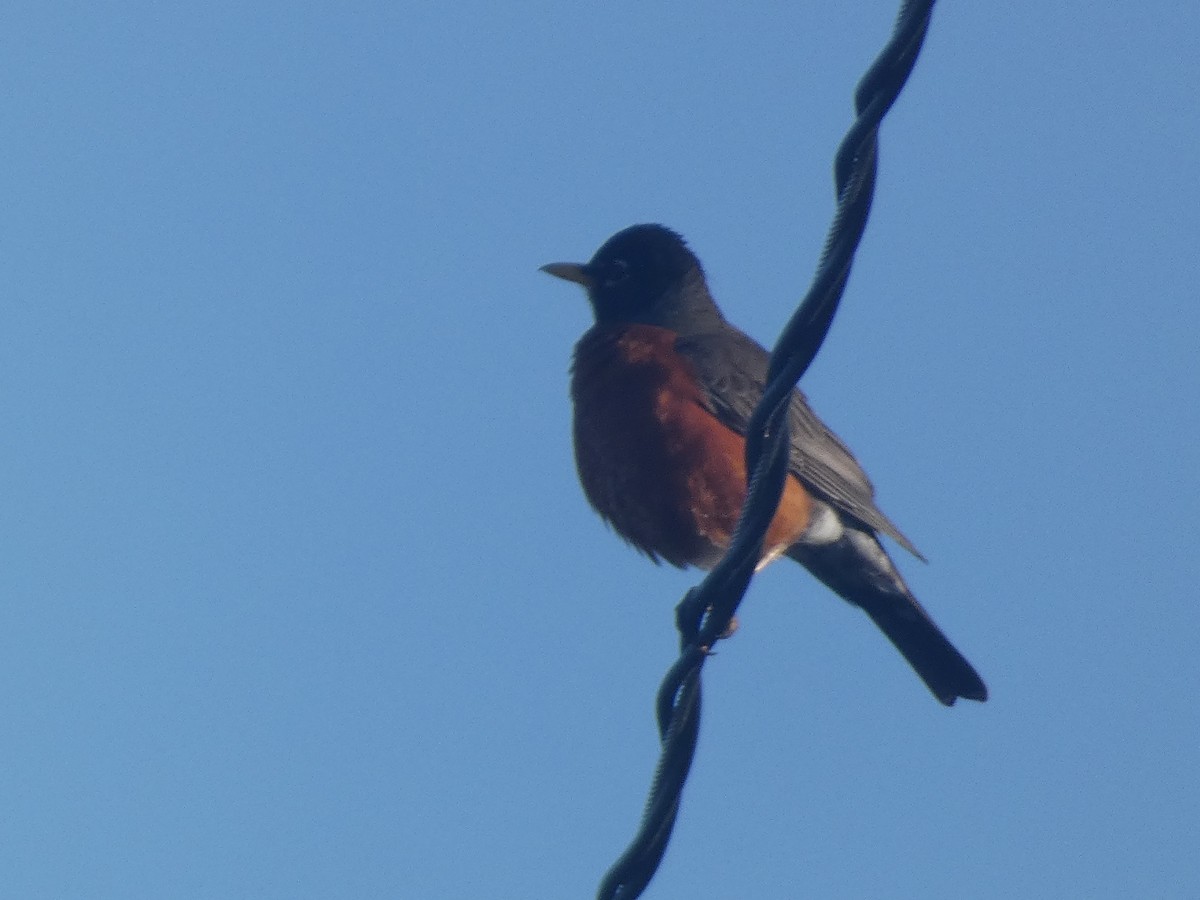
706, 612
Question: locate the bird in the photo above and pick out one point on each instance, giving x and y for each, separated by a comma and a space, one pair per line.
663, 386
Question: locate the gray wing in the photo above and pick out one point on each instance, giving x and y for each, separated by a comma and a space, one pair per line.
732, 368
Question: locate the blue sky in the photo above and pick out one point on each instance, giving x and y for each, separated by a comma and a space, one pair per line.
299, 595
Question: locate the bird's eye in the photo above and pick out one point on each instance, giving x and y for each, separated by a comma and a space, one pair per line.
618, 271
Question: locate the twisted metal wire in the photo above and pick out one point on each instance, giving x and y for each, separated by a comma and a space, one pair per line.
706, 611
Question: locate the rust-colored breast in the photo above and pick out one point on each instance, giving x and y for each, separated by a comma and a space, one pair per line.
653, 461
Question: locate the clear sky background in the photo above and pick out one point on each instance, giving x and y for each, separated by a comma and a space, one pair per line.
299, 596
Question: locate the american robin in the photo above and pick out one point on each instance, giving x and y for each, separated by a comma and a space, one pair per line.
663, 388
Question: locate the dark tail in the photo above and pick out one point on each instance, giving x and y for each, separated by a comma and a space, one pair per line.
858, 569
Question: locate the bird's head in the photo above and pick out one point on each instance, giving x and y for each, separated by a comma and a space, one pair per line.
644, 274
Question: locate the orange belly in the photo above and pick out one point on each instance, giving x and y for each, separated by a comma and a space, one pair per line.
653, 461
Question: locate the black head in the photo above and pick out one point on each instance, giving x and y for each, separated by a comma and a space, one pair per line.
645, 274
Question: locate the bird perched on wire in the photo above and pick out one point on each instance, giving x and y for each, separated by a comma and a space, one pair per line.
663, 388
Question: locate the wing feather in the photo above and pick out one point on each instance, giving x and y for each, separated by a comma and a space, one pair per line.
732, 368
